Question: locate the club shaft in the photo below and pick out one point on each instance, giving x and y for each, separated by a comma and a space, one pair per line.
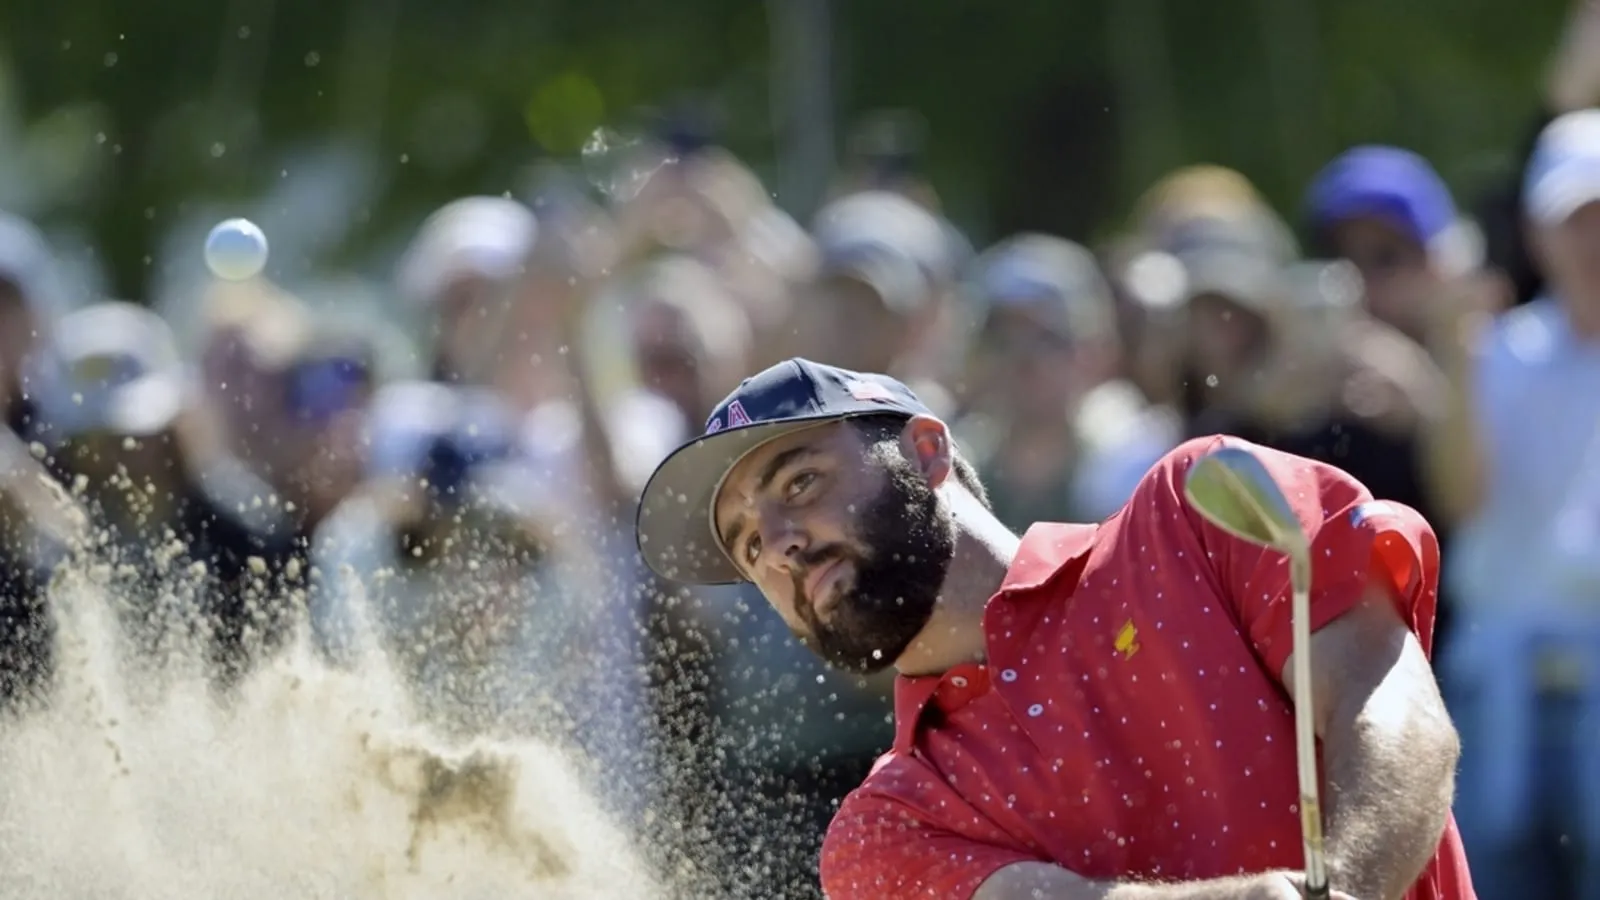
1306, 730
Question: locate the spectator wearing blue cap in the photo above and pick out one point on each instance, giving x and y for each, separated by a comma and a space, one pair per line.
1387, 211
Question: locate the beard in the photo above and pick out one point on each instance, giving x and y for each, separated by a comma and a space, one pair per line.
906, 543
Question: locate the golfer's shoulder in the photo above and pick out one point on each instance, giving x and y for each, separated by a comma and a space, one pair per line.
1167, 471
903, 790
1315, 489
1288, 469
907, 832
1160, 490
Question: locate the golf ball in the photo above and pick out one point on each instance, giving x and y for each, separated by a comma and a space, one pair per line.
236, 250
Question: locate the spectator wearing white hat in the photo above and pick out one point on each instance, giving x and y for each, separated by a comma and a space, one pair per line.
1527, 566
882, 299
459, 271
1054, 432
112, 396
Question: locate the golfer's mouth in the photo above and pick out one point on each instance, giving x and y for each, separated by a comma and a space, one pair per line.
822, 588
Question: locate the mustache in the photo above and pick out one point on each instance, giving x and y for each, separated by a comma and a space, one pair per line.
811, 560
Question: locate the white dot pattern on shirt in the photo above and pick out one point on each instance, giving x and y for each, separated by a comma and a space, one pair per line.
1210, 672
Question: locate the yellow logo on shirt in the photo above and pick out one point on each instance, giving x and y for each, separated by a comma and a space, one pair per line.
1128, 640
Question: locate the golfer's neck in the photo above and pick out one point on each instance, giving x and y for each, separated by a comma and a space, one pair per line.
954, 634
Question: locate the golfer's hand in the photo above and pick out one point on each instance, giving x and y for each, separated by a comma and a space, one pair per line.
1291, 886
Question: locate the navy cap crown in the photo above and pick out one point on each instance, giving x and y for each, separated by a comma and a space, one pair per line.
801, 389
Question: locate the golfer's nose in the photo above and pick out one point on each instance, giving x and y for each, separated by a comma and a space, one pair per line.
782, 542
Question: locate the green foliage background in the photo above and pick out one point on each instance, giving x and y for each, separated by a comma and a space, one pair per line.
1042, 113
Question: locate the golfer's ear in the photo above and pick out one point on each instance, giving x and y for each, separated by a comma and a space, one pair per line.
926, 442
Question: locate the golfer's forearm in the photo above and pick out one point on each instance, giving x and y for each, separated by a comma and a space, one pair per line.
1391, 774
1037, 881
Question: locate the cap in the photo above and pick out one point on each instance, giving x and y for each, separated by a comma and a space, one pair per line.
675, 524
1564, 172
1195, 191
334, 374
1057, 280
903, 251
1238, 257
488, 237
110, 367
1389, 183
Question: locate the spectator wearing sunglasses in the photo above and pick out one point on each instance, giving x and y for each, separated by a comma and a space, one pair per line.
325, 391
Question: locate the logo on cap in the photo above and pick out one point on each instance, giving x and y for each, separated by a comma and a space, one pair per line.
737, 417
869, 390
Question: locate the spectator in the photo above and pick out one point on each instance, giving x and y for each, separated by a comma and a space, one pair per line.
690, 339
1055, 436
1525, 569
1281, 354
111, 395
451, 504
1386, 211
34, 532
882, 298
458, 271
250, 333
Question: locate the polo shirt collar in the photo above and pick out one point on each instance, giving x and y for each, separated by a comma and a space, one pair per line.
1046, 549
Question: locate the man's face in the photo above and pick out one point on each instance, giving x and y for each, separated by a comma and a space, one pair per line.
849, 543
664, 353
1399, 281
471, 320
1225, 337
1025, 367
1571, 252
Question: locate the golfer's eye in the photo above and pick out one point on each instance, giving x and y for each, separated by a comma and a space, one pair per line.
798, 484
752, 549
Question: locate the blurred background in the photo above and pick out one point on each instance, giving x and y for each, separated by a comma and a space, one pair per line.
520, 250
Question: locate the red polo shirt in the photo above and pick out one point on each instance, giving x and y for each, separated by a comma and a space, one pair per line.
1130, 721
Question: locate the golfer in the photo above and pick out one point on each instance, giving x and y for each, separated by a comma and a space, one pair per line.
1088, 711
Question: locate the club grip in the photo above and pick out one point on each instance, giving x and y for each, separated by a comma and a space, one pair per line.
1317, 892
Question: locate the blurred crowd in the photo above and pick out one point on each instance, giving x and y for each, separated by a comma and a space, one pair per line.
465, 513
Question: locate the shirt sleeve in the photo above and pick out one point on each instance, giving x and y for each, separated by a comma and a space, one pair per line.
1354, 538
881, 849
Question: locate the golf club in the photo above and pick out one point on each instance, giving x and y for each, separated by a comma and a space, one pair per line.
1236, 493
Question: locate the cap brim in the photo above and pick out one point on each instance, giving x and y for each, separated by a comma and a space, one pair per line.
145, 407
1386, 206
898, 282
1562, 192
1244, 280
674, 528
139, 409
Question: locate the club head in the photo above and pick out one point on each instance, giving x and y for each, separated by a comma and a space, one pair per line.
1236, 493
